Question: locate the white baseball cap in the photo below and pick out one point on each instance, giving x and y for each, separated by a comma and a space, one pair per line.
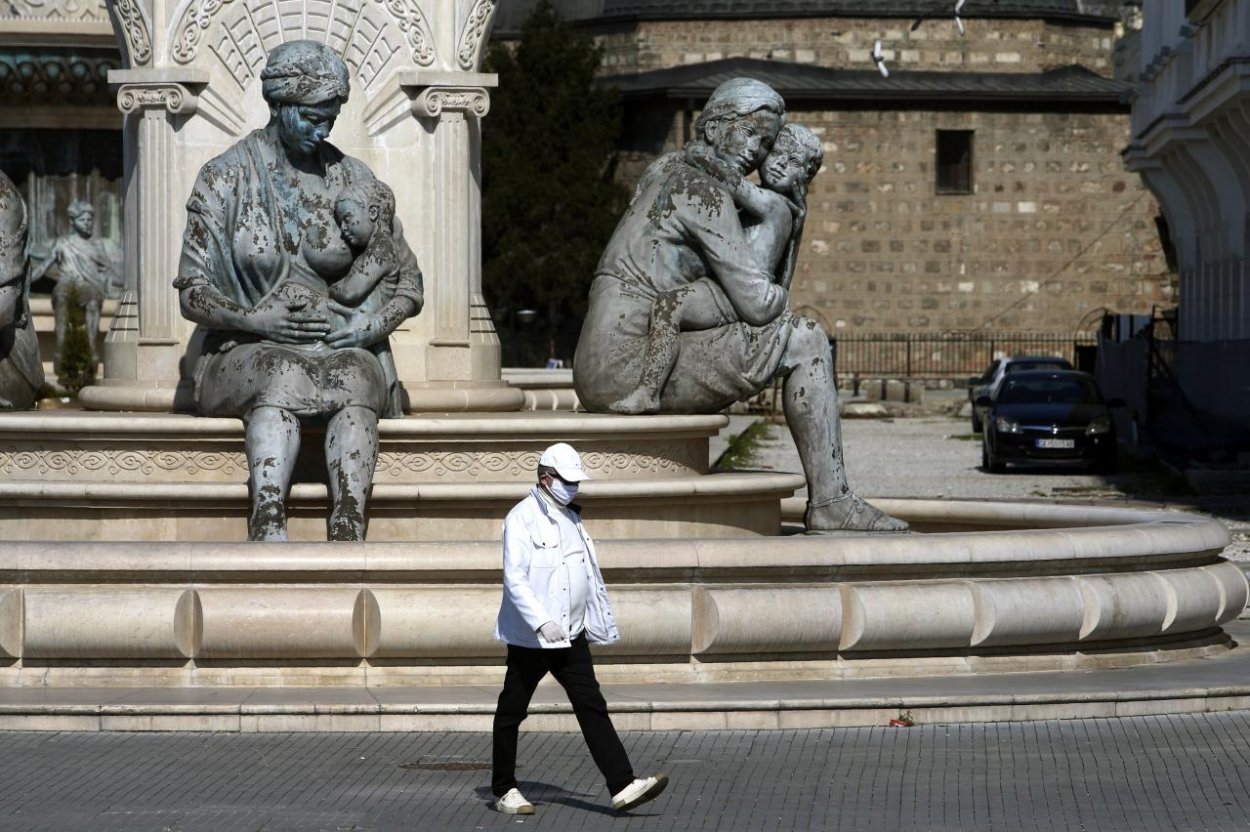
566, 461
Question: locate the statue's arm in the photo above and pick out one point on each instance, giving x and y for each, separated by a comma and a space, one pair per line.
786, 275
406, 298
714, 229
409, 286
204, 255
54, 256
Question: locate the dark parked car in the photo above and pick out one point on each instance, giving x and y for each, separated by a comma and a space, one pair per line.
1040, 417
987, 383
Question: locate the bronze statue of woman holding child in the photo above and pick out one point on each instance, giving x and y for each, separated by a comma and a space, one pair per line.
689, 310
296, 271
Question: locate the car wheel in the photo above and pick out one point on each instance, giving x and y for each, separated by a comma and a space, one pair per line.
988, 462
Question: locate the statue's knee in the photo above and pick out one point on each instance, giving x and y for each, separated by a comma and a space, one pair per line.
810, 338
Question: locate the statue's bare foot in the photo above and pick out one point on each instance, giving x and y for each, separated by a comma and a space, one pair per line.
639, 401
850, 514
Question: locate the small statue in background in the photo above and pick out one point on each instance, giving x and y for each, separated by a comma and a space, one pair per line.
21, 373
85, 267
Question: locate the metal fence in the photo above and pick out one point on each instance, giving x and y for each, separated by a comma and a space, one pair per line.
922, 355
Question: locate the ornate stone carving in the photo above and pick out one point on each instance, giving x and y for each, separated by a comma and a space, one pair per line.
411, 22
77, 10
18, 463
62, 76
196, 19
474, 33
359, 20
433, 101
173, 97
135, 29
673, 459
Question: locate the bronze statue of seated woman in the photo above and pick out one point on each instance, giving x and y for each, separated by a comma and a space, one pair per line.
261, 251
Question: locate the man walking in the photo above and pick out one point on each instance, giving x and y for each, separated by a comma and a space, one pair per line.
554, 606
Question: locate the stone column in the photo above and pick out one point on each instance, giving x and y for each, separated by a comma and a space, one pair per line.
462, 360
142, 351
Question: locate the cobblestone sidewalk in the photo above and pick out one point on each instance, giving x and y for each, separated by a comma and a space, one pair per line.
1142, 774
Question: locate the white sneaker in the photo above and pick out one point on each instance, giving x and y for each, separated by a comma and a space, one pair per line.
514, 803
639, 792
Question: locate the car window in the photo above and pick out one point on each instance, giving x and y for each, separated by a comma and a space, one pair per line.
1049, 391
988, 375
1057, 364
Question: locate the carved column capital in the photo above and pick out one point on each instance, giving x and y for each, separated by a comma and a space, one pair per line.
140, 91
434, 93
431, 102
175, 98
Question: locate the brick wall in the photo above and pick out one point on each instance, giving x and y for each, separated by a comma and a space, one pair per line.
997, 45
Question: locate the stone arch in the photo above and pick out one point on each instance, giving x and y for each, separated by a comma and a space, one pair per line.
371, 35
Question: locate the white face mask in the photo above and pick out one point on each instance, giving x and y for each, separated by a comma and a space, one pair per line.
562, 492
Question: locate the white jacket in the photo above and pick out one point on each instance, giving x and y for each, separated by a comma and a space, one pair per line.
535, 584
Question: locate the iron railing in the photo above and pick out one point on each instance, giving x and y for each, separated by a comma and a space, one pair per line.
923, 355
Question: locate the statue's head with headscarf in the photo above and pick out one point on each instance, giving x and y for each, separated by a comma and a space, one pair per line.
305, 83
740, 122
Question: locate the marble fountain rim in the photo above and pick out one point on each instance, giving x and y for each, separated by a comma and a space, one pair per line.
1081, 537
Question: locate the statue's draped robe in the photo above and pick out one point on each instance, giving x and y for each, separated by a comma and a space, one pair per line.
681, 226
87, 265
245, 238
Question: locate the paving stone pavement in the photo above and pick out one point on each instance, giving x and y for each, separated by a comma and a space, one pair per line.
1143, 774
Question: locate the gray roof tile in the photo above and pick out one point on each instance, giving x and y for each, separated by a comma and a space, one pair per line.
510, 13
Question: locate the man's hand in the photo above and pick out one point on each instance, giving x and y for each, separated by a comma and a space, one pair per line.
552, 632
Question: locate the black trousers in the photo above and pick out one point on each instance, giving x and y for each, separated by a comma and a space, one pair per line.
573, 669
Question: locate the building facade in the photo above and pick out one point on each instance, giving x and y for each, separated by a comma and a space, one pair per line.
1191, 145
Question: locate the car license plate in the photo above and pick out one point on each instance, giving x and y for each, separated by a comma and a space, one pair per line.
1056, 443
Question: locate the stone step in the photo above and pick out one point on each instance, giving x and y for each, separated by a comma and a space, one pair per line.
1219, 683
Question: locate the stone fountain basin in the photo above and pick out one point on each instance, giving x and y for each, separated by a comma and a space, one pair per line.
1034, 586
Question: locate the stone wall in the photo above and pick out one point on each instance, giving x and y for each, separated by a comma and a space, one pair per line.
993, 45
1056, 228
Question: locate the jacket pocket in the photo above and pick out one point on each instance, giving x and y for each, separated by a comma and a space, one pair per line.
545, 553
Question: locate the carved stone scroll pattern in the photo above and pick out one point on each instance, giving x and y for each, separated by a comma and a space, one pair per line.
195, 20
173, 97
412, 22
135, 29
433, 101
367, 34
17, 463
657, 460
25, 463
474, 33
71, 10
